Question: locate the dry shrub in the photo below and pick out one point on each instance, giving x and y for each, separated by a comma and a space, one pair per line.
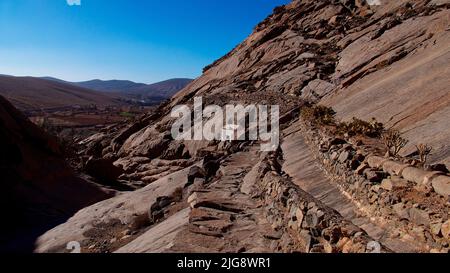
361, 127
393, 141
140, 222
177, 195
424, 152
319, 114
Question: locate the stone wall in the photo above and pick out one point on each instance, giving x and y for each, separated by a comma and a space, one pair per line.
412, 201
304, 223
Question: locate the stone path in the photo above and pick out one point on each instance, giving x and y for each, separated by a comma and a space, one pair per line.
224, 219
301, 165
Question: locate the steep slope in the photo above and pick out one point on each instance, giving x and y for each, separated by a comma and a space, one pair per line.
28, 93
344, 54
39, 190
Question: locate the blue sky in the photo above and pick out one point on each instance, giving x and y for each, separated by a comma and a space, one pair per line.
144, 41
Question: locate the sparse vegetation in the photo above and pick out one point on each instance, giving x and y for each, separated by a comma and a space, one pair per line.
127, 115
177, 195
424, 152
140, 222
360, 127
319, 114
393, 141
322, 115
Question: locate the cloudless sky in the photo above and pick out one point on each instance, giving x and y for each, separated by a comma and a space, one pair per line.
139, 40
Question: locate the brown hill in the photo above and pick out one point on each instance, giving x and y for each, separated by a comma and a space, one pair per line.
28, 93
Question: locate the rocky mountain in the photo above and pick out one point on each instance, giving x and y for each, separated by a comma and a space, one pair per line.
28, 93
39, 190
339, 182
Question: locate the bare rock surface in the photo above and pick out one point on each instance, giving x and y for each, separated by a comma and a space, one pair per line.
123, 208
390, 62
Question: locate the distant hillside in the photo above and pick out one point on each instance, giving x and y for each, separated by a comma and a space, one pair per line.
110, 86
157, 91
162, 89
28, 93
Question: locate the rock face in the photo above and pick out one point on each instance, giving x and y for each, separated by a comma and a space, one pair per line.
389, 62
38, 190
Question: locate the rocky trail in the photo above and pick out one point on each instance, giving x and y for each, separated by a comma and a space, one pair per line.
306, 172
223, 218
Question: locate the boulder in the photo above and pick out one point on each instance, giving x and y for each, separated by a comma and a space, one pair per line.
394, 168
415, 175
394, 184
195, 172
401, 211
103, 169
344, 156
360, 170
176, 150
373, 176
441, 185
419, 217
376, 161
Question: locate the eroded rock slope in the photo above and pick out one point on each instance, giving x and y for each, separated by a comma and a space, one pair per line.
389, 62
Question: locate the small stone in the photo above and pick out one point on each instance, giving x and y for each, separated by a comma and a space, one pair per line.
391, 184
125, 237
360, 170
305, 239
299, 216
342, 242
195, 172
373, 176
436, 228
347, 248
334, 20
318, 248
354, 164
192, 200
401, 211
334, 156
126, 232
113, 240
344, 156
311, 220
445, 230
420, 217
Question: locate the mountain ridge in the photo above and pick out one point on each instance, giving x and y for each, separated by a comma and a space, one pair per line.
30, 93
164, 89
